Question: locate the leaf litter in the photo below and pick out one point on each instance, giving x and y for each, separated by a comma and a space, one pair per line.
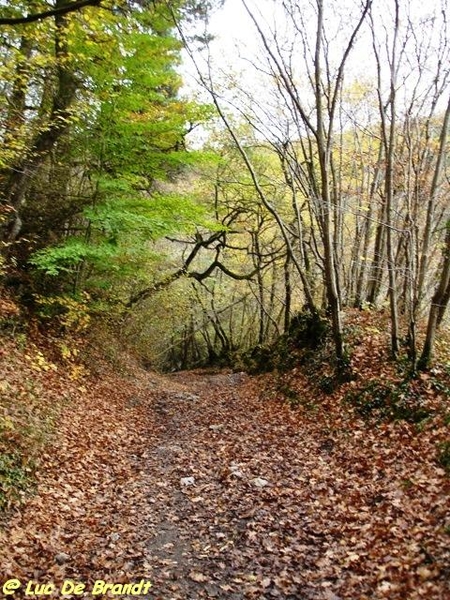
234, 495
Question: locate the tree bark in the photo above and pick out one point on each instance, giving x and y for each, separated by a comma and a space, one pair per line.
21, 174
59, 10
438, 305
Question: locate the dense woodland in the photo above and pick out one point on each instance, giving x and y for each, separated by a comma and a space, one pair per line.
321, 181
224, 277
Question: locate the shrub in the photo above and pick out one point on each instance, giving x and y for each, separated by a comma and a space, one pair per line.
443, 457
389, 401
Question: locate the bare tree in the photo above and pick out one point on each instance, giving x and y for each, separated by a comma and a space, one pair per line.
317, 122
391, 202
388, 116
439, 303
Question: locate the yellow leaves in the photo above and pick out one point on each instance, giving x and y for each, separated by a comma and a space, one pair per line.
93, 21
66, 352
43, 61
7, 423
373, 330
14, 145
72, 313
70, 354
78, 372
39, 362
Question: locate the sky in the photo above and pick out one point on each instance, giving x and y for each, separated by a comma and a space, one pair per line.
236, 46
231, 25
233, 35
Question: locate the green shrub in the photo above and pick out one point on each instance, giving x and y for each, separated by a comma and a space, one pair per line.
14, 479
308, 330
389, 401
443, 457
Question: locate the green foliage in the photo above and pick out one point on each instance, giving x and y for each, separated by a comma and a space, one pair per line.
14, 479
121, 230
134, 137
95, 206
396, 402
148, 218
66, 257
443, 457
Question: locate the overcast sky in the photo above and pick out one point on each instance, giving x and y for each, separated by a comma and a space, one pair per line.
236, 50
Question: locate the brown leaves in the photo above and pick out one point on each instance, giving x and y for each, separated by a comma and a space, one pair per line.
307, 503
198, 577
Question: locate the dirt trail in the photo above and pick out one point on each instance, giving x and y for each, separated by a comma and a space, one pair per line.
192, 524
224, 496
195, 482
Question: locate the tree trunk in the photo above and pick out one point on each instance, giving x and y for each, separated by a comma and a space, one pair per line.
21, 174
437, 176
287, 294
438, 305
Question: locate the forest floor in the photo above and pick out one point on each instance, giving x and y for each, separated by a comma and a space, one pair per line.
212, 485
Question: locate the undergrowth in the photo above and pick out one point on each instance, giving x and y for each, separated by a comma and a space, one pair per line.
306, 335
389, 401
443, 456
15, 478
39, 374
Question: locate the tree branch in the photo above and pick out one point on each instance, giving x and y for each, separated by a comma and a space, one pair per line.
218, 265
62, 10
183, 270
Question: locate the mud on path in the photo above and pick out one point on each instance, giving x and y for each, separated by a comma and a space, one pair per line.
199, 484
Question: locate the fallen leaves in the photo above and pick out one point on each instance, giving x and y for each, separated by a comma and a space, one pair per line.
211, 486
198, 577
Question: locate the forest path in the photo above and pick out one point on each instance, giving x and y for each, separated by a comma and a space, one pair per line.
219, 517
228, 473
208, 487
189, 481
